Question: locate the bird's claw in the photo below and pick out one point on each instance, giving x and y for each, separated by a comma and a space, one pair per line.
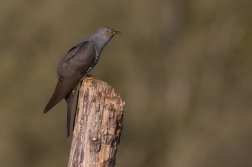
88, 77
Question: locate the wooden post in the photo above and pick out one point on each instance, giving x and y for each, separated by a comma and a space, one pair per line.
98, 125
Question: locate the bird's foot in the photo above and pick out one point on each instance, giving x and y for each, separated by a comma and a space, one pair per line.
88, 77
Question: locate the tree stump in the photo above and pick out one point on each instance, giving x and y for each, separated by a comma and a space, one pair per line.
98, 125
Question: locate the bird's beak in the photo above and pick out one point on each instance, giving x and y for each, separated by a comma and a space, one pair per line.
116, 32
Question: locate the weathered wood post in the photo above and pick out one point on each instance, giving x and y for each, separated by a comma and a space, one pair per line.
98, 125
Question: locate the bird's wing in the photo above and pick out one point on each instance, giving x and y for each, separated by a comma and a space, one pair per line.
63, 87
70, 71
78, 58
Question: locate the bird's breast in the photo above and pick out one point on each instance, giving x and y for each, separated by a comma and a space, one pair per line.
93, 63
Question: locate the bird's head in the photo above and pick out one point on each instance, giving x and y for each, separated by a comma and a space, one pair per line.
104, 34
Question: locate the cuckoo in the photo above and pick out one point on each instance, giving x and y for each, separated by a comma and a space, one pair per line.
75, 64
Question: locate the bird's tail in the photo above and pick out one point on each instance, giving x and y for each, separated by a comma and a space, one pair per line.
69, 100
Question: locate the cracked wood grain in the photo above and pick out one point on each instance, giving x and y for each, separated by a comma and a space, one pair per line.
98, 125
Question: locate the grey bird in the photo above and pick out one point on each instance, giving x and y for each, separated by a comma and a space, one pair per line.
75, 64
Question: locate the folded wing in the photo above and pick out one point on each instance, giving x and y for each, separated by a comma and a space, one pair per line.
71, 68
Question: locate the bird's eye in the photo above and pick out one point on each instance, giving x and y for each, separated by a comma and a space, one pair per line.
107, 31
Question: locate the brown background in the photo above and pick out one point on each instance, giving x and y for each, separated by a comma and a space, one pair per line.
182, 67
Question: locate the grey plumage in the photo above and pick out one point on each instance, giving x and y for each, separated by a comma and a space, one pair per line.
75, 64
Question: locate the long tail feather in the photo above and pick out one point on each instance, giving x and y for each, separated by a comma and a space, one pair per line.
69, 100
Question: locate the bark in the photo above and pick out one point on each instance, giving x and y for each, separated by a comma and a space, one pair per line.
98, 125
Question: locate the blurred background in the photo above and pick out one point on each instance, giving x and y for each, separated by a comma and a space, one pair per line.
182, 67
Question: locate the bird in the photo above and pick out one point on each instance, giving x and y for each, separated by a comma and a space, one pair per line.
75, 64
